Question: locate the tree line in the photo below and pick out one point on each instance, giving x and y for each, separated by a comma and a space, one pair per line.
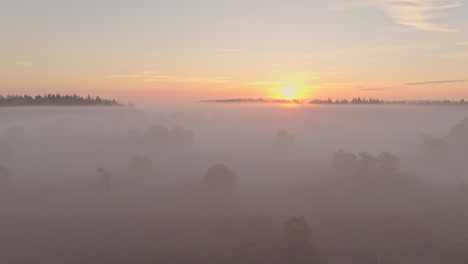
252, 100
54, 99
374, 101
353, 101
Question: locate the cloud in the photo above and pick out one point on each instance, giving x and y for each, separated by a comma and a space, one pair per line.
372, 89
436, 82
463, 43
418, 14
268, 83
153, 76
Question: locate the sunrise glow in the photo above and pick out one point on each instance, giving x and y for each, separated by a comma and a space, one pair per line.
290, 51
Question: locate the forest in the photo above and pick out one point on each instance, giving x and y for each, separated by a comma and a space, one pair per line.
352, 101
54, 99
208, 183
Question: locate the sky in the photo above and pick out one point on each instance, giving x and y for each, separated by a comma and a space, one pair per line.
208, 49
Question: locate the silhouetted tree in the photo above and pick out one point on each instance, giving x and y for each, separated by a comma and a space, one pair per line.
367, 163
141, 166
345, 162
283, 140
434, 144
156, 135
220, 176
459, 134
181, 136
297, 229
298, 247
104, 179
53, 99
388, 163
384, 168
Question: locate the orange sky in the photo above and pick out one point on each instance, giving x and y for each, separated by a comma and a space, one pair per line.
224, 49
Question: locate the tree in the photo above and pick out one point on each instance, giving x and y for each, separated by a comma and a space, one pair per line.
53, 99
298, 247
283, 140
156, 135
181, 136
220, 176
141, 166
105, 179
388, 163
367, 163
345, 162
434, 144
297, 229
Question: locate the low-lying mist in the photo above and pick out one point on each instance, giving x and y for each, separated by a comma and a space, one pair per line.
234, 183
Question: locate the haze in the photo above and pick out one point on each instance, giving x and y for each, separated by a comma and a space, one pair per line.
131, 185
234, 132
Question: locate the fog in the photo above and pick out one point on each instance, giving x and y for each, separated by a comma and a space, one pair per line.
234, 183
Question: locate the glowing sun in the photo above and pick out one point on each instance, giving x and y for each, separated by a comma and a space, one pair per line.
289, 93
289, 90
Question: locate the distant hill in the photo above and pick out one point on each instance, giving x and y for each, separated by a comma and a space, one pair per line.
55, 99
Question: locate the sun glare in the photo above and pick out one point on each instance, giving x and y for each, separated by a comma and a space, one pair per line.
289, 88
289, 93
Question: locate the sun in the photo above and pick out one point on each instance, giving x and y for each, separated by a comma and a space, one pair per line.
289, 93
289, 88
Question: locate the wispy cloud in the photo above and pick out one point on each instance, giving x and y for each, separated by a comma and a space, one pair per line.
463, 43
371, 89
154, 76
436, 82
418, 14
267, 83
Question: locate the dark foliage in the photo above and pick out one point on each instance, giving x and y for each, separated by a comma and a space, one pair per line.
296, 228
54, 99
252, 100
220, 176
374, 101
